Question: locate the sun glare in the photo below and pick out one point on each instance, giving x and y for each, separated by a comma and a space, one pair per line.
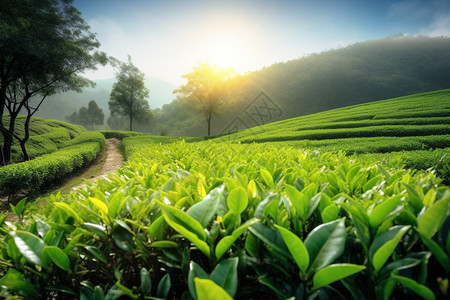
226, 51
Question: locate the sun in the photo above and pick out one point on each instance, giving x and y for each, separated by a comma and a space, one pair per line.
226, 51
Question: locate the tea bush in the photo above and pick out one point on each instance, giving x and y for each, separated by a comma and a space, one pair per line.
34, 174
208, 220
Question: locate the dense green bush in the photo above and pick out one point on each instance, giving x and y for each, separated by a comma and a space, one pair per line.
120, 134
206, 220
32, 175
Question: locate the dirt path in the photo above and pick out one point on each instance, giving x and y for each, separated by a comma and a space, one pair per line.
113, 161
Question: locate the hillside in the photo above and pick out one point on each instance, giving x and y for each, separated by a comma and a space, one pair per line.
415, 122
359, 73
46, 136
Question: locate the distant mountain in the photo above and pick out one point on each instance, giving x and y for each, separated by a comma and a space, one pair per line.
358, 73
61, 105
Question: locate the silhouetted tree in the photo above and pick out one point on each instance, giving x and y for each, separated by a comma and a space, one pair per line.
44, 44
92, 115
206, 87
129, 94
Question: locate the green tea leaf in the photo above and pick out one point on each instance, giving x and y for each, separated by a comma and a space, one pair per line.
30, 246
433, 217
164, 286
146, 283
123, 239
100, 205
429, 198
237, 200
417, 288
325, 244
206, 289
186, 225
296, 247
271, 237
384, 244
267, 177
57, 256
15, 281
195, 271
225, 275
330, 213
298, 200
97, 229
205, 210
378, 214
114, 204
156, 229
437, 251
163, 244
413, 198
226, 242
332, 273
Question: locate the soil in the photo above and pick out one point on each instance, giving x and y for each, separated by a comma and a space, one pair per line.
112, 162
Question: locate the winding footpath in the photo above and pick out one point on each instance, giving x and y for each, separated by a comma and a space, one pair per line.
113, 161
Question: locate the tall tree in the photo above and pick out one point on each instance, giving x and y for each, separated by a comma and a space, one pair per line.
129, 95
206, 88
44, 45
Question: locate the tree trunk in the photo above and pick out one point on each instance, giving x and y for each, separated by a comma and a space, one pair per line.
8, 138
2, 160
208, 120
131, 122
26, 137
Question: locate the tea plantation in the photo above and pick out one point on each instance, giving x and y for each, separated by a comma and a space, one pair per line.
46, 136
273, 212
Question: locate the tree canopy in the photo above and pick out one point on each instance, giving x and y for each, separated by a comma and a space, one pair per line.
129, 95
44, 46
205, 89
88, 116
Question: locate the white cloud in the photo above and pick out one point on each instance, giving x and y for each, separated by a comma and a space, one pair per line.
440, 26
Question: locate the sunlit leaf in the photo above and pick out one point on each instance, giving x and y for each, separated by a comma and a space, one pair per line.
433, 217
206, 289
226, 276
332, 273
325, 244
186, 225
296, 248
384, 244
30, 246
237, 200
57, 256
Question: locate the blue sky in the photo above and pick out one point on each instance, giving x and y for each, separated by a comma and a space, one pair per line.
165, 38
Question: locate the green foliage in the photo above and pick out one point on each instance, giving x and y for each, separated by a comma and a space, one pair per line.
184, 220
32, 175
129, 95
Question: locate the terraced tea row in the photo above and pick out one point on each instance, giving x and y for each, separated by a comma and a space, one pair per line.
412, 116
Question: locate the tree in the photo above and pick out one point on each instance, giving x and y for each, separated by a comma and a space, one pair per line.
44, 45
129, 95
92, 115
206, 88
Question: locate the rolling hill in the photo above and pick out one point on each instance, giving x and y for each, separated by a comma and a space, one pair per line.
416, 122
